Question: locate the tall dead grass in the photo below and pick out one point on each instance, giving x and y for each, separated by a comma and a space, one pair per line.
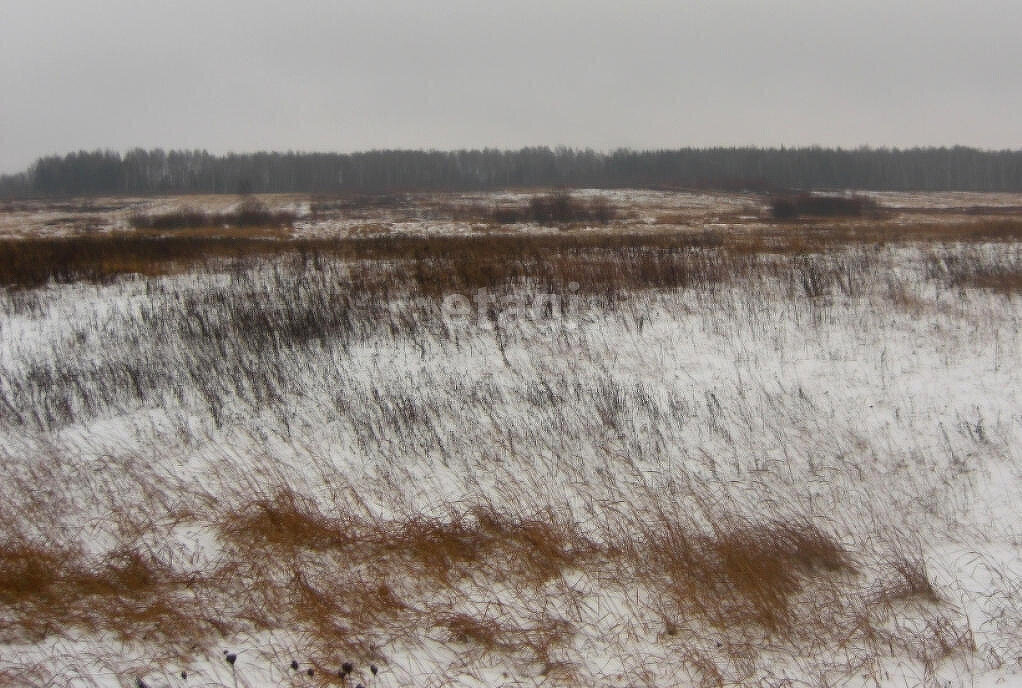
597, 261
349, 584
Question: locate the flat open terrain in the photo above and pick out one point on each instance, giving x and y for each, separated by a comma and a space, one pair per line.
630, 438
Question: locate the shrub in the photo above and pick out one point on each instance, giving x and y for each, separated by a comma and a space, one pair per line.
557, 208
791, 207
249, 213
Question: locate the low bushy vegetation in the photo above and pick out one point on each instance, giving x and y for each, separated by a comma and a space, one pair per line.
557, 209
249, 213
822, 205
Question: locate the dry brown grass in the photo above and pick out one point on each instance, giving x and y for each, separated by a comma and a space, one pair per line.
530, 550
969, 268
286, 521
598, 262
675, 218
742, 573
48, 590
348, 584
911, 579
819, 237
278, 233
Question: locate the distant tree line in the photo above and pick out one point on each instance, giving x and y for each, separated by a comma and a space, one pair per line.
757, 169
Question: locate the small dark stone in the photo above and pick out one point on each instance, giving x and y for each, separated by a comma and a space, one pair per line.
311, 671
360, 686
373, 669
347, 668
184, 674
139, 683
231, 658
294, 664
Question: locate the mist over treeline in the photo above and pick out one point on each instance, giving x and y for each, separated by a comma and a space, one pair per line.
753, 169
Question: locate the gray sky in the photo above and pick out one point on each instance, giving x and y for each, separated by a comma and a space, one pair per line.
349, 75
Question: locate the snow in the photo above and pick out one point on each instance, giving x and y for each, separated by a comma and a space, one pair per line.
877, 419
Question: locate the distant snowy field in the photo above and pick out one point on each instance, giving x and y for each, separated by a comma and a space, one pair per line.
140, 419
642, 208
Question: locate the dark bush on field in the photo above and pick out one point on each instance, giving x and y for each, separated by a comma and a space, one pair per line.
557, 208
250, 213
791, 207
783, 209
176, 219
253, 213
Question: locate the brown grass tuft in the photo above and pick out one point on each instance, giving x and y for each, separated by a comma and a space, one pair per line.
911, 579
27, 571
742, 573
286, 520
47, 591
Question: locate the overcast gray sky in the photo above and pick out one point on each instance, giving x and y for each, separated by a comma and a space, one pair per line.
347, 75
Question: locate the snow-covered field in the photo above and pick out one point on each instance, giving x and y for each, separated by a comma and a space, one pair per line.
777, 479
